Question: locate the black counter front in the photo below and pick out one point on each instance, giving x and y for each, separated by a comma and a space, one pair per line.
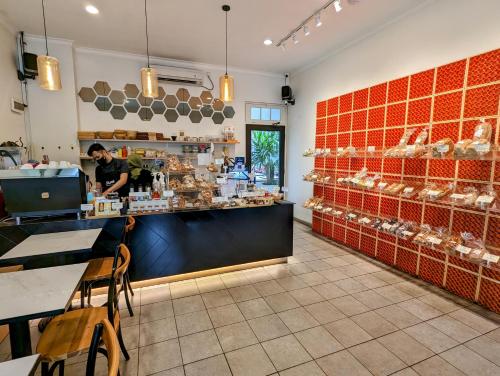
168, 244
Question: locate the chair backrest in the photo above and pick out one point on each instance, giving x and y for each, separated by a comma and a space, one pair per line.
120, 266
104, 331
10, 269
130, 224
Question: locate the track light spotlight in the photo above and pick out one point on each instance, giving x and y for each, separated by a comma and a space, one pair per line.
294, 39
337, 5
317, 20
306, 30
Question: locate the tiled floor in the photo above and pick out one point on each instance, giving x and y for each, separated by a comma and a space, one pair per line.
328, 312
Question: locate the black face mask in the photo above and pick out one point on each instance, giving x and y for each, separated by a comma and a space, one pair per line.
102, 161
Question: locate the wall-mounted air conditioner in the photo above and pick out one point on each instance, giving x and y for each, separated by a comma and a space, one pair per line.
179, 76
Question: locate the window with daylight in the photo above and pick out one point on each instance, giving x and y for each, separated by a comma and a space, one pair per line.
266, 114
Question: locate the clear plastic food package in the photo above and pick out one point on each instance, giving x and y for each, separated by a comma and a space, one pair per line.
486, 198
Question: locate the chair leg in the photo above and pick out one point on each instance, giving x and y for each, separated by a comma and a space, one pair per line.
128, 283
61, 368
89, 293
45, 369
82, 294
122, 344
127, 300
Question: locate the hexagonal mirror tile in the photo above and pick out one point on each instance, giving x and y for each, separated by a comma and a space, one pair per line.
145, 114
218, 118
103, 103
207, 111
194, 103
131, 91
218, 105
118, 112
171, 115
117, 97
161, 93
183, 109
183, 95
144, 101
131, 105
171, 101
206, 97
87, 94
228, 112
102, 88
158, 107
195, 116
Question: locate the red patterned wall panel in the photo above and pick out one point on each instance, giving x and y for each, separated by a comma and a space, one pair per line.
448, 99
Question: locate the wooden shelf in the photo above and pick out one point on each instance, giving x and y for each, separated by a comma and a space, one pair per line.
160, 141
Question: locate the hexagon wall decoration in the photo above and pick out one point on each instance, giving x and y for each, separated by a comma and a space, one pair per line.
218, 118
228, 112
132, 106
207, 111
102, 88
144, 101
158, 107
87, 94
183, 109
145, 114
117, 97
131, 90
103, 103
118, 112
171, 115
218, 105
182, 95
195, 116
194, 103
206, 97
171, 101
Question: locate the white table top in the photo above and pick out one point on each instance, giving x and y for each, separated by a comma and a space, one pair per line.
54, 242
33, 293
24, 366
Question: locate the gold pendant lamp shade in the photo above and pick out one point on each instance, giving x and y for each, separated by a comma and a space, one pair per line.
149, 80
226, 82
149, 77
49, 75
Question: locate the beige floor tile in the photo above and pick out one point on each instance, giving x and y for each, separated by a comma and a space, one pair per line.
347, 332
436, 366
192, 323
155, 294
306, 369
306, 296
268, 288
389, 276
159, 357
414, 288
405, 372
257, 275
281, 302
242, 293
470, 362
318, 342
405, 347
453, 328
398, 316
377, 358
156, 311
333, 275
127, 368
342, 363
430, 337
351, 270
291, 283
235, 336
285, 352
348, 305
370, 281
473, 320
487, 347
225, 315
351, 285
299, 268
441, 304
217, 298
313, 278
318, 265
420, 309
199, 346
298, 319
371, 299
188, 304
178, 371
157, 331
126, 320
336, 261
210, 283
324, 312
268, 327
393, 294
254, 308
234, 280
183, 288
374, 324
329, 290
216, 366
250, 361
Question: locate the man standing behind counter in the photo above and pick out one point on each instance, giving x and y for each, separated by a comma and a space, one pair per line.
111, 174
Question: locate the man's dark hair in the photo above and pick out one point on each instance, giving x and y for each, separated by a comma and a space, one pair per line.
95, 147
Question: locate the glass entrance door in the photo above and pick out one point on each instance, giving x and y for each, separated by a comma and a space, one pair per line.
265, 146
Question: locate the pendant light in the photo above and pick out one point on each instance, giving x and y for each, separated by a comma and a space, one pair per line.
226, 82
149, 77
49, 76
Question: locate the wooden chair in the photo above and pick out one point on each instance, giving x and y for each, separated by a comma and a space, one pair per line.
4, 329
104, 333
100, 269
70, 334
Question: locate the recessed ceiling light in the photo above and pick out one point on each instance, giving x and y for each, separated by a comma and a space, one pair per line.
91, 9
268, 42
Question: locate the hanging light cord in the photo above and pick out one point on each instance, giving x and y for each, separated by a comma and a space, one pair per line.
226, 42
45, 29
147, 36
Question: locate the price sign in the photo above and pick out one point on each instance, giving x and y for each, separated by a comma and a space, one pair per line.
219, 161
327, 151
221, 180
434, 240
386, 226
485, 199
168, 193
117, 205
86, 207
364, 220
352, 216
408, 190
284, 189
340, 150
491, 258
217, 200
444, 148
462, 249
457, 196
408, 233
371, 149
410, 150
381, 185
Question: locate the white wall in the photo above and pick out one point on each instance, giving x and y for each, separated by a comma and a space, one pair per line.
440, 32
11, 124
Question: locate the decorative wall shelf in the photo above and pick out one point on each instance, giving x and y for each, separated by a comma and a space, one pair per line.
159, 141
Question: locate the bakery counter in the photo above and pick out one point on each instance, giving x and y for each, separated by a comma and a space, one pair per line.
170, 244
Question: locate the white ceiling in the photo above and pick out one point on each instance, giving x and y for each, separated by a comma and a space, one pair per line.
193, 30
